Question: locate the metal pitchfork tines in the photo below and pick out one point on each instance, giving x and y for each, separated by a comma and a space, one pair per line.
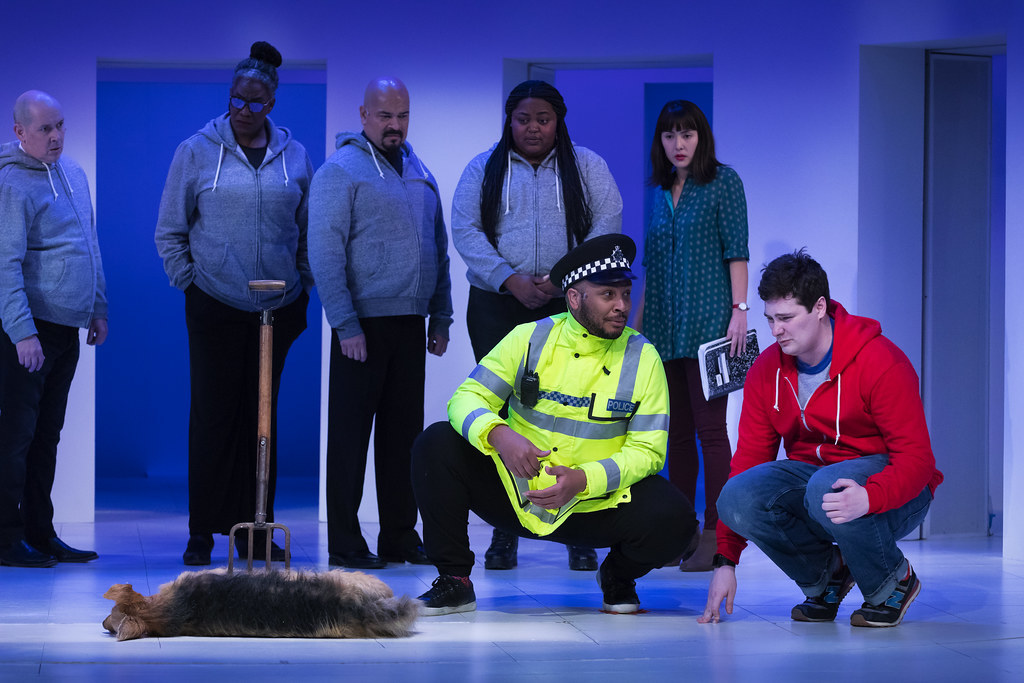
263, 443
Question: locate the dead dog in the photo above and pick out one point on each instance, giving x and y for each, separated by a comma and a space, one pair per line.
334, 604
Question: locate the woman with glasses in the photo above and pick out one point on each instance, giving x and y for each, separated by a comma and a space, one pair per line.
234, 210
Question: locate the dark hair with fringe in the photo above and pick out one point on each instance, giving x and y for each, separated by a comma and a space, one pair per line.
795, 274
261, 65
683, 115
578, 217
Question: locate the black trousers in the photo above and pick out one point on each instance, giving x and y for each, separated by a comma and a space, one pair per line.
223, 344
386, 389
491, 316
451, 478
32, 408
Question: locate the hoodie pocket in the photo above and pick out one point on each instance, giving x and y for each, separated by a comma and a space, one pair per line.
44, 275
367, 259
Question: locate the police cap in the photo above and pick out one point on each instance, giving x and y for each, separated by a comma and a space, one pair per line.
601, 260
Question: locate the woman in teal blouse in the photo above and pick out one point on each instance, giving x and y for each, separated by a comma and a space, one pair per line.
695, 256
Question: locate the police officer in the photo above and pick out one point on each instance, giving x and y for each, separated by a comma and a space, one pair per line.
577, 459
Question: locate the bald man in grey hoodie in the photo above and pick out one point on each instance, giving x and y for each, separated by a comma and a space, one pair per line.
378, 248
51, 284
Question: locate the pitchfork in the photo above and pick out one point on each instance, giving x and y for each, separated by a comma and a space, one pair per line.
263, 445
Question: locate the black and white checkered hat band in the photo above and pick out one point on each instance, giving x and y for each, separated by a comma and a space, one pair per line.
615, 261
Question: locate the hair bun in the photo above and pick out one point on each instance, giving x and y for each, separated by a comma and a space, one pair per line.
265, 52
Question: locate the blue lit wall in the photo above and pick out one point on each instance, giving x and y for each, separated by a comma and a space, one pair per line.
142, 376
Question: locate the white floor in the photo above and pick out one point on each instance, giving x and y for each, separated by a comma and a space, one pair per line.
540, 622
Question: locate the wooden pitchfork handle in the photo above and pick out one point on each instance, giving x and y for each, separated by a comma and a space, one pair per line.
263, 427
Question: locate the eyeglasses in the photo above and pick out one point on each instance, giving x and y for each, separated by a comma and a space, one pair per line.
254, 107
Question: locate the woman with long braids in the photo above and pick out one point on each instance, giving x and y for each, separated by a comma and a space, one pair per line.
234, 209
518, 208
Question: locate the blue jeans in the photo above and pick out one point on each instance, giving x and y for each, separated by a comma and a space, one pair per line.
777, 506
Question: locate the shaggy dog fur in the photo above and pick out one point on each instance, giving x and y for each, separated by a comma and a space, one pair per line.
334, 604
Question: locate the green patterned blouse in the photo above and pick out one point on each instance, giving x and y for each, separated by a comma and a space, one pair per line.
687, 249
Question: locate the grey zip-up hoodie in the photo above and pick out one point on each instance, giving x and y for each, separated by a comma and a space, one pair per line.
50, 266
377, 240
531, 219
223, 223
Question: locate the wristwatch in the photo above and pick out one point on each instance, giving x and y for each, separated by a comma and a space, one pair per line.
720, 560
742, 306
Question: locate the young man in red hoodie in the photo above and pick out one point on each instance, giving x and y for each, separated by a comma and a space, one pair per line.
859, 472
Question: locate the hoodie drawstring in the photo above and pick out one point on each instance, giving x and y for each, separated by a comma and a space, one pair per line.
220, 160
776, 406
373, 155
558, 187
839, 396
284, 167
50, 178
64, 174
508, 182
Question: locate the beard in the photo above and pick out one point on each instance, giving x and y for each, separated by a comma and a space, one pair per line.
595, 324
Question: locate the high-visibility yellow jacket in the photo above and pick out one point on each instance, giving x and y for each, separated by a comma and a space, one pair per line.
603, 409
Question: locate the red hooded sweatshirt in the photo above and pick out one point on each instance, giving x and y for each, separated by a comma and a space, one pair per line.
870, 404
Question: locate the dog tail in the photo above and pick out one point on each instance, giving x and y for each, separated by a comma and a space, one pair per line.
391, 617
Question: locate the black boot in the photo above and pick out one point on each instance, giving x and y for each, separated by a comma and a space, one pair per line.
197, 553
503, 551
582, 559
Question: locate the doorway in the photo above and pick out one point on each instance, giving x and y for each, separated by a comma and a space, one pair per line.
931, 254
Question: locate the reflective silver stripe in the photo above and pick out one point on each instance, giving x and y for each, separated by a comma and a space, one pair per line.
546, 516
649, 423
629, 368
538, 338
492, 382
470, 419
564, 425
612, 473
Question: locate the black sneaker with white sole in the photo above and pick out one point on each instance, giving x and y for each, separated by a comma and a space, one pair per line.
890, 612
619, 594
449, 595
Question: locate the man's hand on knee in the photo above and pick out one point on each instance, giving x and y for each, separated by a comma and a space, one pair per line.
849, 501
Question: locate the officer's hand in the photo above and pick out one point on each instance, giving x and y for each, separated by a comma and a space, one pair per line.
525, 290
355, 347
30, 353
518, 453
723, 587
568, 482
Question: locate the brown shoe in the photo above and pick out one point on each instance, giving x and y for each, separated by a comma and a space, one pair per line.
700, 561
